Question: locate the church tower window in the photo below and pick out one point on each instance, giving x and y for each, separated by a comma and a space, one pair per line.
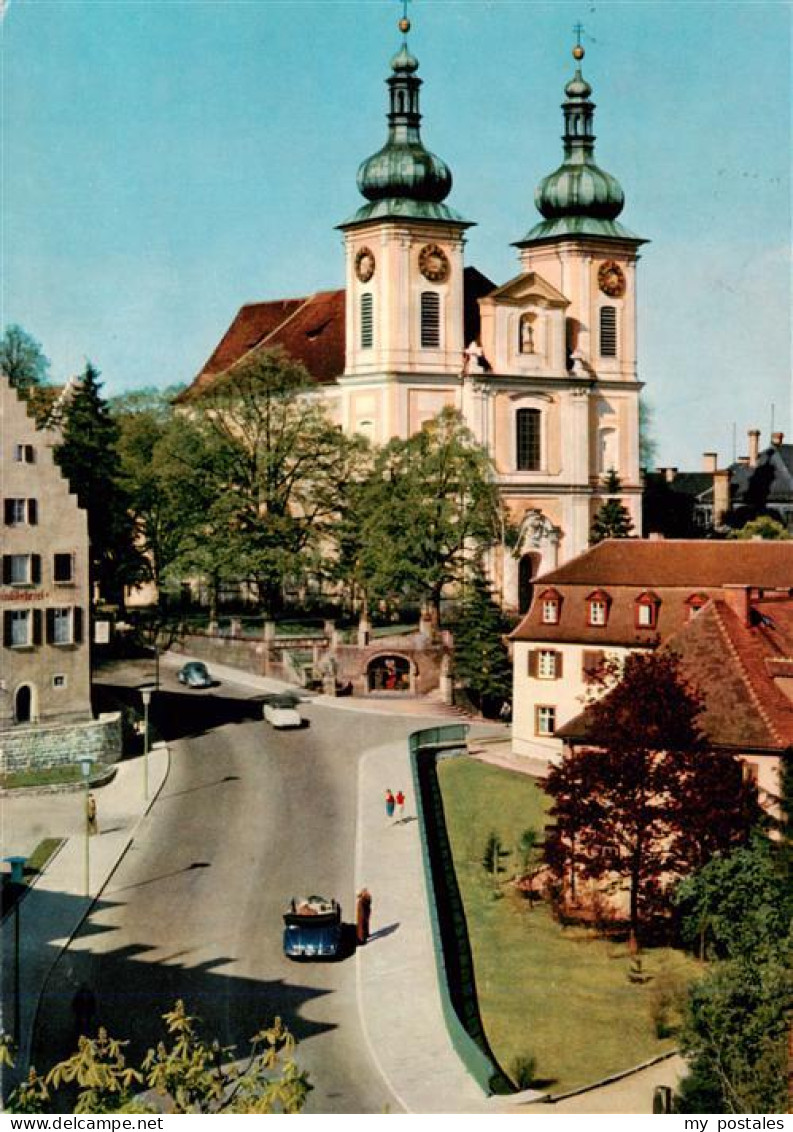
608, 332
527, 438
430, 320
367, 321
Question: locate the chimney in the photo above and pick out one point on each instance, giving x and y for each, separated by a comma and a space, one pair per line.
721, 495
710, 461
754, 446
739, 600
777, 438
669, 474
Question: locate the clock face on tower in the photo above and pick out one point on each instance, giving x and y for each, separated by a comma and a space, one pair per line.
433, 263
611, 279
364, 265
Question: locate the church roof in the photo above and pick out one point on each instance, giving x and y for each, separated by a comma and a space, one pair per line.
310, 329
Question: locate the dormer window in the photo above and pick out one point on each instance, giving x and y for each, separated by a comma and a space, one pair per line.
646, 611
598, 608
550, 607
695, 603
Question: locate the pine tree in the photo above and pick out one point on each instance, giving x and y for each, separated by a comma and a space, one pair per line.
88, 457
613, 519
481, 659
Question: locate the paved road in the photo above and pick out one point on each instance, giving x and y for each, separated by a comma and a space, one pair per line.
248, 817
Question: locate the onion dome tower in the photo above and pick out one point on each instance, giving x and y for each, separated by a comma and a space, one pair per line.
404, 305
579, 198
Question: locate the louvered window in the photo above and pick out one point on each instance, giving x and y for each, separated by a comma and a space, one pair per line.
367, 321
527, 424
608, 332
430, 320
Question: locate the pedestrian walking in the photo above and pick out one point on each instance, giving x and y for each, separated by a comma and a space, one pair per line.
363, 914
400, 804
390, 804
90, 813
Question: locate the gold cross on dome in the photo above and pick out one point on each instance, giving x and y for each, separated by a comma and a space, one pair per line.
578, 31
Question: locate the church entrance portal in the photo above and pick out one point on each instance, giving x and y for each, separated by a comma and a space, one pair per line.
527, 571
389, 674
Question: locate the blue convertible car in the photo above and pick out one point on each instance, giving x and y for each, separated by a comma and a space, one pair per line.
313, 929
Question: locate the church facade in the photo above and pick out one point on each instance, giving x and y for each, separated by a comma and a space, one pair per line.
543, 368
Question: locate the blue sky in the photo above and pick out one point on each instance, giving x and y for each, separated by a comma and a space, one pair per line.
166, 162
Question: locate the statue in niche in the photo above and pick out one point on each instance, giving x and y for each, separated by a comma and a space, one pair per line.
527, 322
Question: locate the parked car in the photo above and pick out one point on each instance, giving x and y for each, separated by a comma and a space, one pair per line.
313, 929
280, 712
195, 674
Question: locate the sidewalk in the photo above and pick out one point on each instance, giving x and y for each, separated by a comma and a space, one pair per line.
398, 995
57, 904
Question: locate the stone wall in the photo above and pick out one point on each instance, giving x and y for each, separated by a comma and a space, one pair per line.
33, 748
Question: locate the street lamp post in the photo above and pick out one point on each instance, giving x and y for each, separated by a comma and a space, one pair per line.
17, 884
146, 695
86, 763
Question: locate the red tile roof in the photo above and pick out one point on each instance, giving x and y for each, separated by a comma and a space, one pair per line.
680, 562
736, 668
674, 570
309, 329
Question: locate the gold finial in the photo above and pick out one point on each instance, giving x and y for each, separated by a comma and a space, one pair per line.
578, 51
404, 23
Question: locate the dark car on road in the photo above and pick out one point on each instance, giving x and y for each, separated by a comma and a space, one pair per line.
313, 929
195, 674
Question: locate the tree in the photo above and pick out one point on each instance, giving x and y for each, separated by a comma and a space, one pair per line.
88, 457
648, 445
764, 526
735, 1034
612, 520
739, 907
22, 359
191, 1074
165, 509
647, 802
481, 658
271, 463
427, 513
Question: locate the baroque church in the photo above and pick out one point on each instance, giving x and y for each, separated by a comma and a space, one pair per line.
542, 368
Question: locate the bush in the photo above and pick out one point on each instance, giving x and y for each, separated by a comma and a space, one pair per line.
523, 1071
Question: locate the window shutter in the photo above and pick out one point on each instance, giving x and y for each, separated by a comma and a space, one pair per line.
50, 626
559, 659
33, 512
77, 625
36, 569
534, 661
36, 626
7, 628
9, 512
6, 569
590, 663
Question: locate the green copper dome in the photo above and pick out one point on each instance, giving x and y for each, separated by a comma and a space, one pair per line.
403, 179
579, 198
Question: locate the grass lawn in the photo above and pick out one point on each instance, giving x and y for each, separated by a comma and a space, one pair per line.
558, 995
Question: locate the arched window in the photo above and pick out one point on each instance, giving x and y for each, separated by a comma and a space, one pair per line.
430, 320
367, 320
527, 569
23, 704
526, 339
527, 440
608, 332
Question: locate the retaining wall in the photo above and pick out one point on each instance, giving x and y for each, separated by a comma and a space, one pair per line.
34, 748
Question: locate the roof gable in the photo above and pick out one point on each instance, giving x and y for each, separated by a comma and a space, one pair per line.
525, 288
